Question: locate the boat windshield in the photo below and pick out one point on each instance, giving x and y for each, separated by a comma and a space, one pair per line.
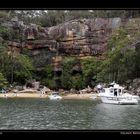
111, 90
55, 93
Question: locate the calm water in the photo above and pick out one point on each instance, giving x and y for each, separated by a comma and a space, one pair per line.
41, 114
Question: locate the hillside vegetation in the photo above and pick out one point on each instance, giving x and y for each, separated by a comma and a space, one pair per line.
120, 63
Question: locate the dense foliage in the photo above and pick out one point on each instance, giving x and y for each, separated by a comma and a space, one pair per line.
3, 81
49, 18
15, 67
122, 62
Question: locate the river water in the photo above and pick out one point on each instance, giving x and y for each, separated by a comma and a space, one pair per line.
44, 114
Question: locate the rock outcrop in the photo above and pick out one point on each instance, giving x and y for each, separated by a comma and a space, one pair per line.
83, 37
134, 86
78, 37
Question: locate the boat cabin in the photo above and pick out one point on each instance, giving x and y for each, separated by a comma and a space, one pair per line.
115, 90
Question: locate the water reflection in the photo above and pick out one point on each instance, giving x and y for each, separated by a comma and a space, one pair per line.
41, 114
118, 116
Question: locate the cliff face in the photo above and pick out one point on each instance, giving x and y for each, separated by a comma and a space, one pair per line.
78, 37
85, 37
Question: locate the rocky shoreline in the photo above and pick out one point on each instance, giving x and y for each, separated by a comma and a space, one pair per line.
38, 95
131, 86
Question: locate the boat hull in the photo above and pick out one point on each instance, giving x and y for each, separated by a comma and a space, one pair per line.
119, 100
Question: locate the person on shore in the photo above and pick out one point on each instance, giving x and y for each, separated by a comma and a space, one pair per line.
4, 92
99, 88
42, 92
15, 92
78, 92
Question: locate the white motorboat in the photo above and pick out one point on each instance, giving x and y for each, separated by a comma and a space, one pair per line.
114, 95
55, 96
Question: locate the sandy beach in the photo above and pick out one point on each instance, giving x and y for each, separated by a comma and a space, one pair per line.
22, 95
79, 96
38, 95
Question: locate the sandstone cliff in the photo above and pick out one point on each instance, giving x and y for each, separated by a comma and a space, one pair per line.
85, 37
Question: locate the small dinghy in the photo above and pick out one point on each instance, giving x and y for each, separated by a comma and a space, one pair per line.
55, 96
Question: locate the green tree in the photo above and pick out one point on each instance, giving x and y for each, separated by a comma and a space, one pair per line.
66, 79
3, 81
15, 66
120, 63
22, 69
90, 70
47, 76
77, 81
